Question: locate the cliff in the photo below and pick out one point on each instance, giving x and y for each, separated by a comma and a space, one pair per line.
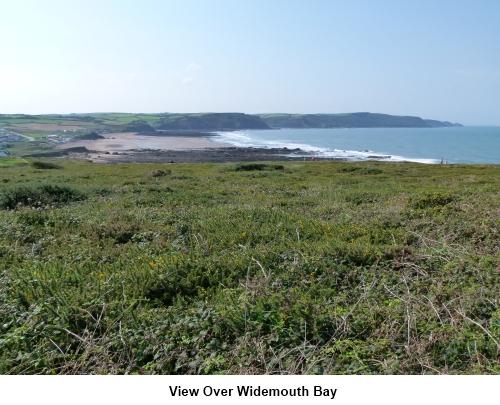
212, 121
350, 120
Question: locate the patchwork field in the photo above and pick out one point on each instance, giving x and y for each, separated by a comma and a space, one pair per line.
293, 268
46, 127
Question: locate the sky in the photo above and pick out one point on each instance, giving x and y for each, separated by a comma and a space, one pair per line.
433, 59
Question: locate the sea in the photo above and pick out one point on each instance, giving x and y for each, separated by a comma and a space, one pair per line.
473, 144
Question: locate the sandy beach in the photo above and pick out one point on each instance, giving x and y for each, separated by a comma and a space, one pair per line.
128, 147
126, 141
131, 147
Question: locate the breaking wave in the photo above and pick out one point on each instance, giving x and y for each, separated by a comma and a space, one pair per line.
260, 139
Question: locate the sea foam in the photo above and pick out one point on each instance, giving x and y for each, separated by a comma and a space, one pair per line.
265, 139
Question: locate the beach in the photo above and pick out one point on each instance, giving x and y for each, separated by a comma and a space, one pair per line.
128, 147
123, 141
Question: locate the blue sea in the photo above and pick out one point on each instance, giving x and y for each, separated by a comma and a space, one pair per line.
425, 145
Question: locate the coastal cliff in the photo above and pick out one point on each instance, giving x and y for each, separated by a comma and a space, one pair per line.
211, 121
349, 120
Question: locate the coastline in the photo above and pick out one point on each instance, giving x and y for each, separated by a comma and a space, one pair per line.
466, 145
176, 147
126, 141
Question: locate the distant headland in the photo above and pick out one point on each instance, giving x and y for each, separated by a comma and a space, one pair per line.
350, 120
239, 121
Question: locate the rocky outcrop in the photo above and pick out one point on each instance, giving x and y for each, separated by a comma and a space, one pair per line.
88, 137
139, 126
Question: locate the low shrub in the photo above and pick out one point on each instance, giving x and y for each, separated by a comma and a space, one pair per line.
248, 167
159, 173
45, 165
39, 194
32, 218
360, 170
432, 200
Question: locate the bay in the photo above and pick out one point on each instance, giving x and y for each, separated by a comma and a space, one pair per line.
425, 145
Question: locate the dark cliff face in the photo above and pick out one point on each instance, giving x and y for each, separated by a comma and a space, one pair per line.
236, 121
138, 126
88, 137
353, 120
214, 122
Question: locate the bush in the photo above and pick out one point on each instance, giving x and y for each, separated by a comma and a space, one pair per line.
248, 167
360, 170
39, 194
45, 165
432, 200
159, 173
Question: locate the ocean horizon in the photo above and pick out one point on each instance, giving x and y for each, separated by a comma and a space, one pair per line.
474, 144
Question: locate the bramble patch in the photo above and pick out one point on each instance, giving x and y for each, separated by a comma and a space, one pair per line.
159, 173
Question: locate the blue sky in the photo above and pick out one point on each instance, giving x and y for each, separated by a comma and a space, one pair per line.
434, 59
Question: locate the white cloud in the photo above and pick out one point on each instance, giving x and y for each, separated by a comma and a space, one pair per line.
192, 67
187, 81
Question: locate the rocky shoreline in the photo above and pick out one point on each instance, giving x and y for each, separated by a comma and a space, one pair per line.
209, 155
177, 146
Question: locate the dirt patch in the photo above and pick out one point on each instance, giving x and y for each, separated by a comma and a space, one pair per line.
46, 127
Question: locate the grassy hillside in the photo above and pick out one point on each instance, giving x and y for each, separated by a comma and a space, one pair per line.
39, 126
216, 121
353, 120
9, 161
314, 267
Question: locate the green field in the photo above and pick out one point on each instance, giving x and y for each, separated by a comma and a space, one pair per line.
19, 149
310, 268
110, 121
35, 135
10, 161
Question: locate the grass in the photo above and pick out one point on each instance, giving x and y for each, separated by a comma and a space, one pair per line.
28, 148
313, 268
34, 135
109, 121
10, 161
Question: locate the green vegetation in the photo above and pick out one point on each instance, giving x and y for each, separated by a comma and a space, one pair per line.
38, 195
29, 148
37, 164
324, 267
211, 121
34, 135
248, 167
352, 120
9, 161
